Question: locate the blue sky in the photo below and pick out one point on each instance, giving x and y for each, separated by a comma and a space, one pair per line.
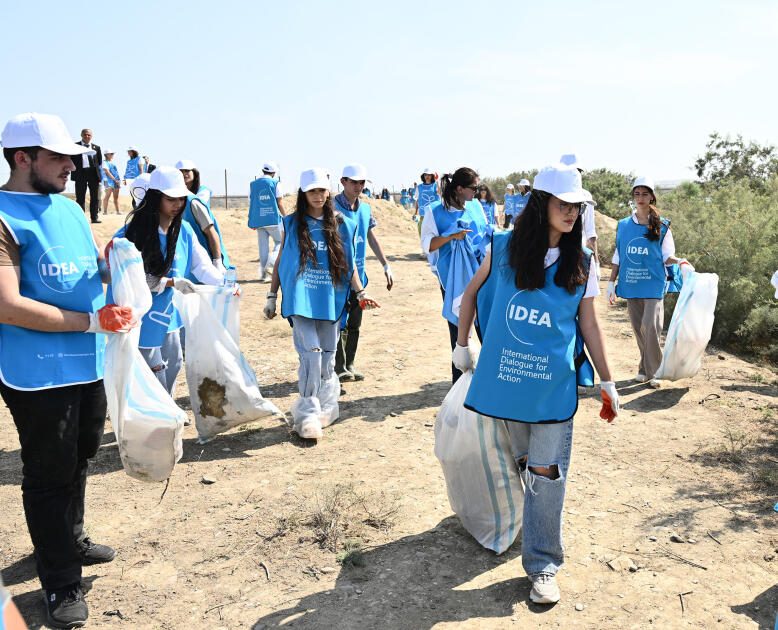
398, 86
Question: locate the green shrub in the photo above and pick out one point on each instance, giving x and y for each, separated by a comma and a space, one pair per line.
611, 190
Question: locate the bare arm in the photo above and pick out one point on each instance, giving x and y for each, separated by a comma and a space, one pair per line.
467, 306
592, 244
592, 334
614, 273
280, 203
31, 314
439, 241
275, 281
214, 245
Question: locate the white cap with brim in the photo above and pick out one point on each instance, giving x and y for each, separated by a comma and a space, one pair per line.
355, 171
108, 151
40, 130
643, 181
524, 182
314, 178
589, 198
562, 181
428, 171
185, 165
509, 187
169, 181
139, 186
269, 167
132, 147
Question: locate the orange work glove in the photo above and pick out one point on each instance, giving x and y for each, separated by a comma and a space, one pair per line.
112, 319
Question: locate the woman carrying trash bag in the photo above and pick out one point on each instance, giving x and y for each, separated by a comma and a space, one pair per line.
457, 217
531, 290
169, 251
314, 268
644, 246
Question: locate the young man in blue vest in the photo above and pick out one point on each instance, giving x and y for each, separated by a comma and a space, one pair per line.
347, 202
265, 212
52, 311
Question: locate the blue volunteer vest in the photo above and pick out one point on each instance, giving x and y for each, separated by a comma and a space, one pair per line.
190, 219
641, 268
263, 207
58, 267
489, 211
428, 194
204, 194
509, 203
526, 369
311, 293
107, 181
519, 203
132, 170
405, 199
163, 317
361, 217
445, 219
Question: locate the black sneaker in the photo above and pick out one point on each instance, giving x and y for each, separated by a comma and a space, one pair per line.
66, 608
92, 553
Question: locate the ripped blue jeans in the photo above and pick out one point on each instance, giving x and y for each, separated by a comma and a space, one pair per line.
544, 445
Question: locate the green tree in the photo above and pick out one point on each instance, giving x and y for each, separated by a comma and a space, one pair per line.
611, 190
726, 160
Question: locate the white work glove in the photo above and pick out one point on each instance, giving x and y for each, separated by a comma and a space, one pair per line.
217, 262
462, 358
184, 286
389, 277
610, 292
597, 270
610, 401
270, 305
686, 268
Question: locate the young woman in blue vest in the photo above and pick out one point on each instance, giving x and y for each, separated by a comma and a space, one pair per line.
134, 167
170, 253
192, 180
200, 217
314, 270
530, 291
111, 182
428, 192
644, 246
521, 198
266, 209
508, 202
456, 216
488, 203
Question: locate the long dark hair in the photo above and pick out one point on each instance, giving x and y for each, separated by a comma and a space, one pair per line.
336, 255
463, 176
654, 224
142, 229
133, 153
529, 242
195, 185
489, 195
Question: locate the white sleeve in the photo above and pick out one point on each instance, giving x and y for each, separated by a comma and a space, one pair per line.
588, 223
615, 259
668, 246
429, 230
202, 267
279, 191
592, 288
201, 215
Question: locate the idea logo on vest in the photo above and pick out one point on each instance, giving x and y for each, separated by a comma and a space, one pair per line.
518, 316
62, 275
637, 249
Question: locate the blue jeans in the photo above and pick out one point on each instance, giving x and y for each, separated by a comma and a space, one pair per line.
543, 445
267, 258
170, 356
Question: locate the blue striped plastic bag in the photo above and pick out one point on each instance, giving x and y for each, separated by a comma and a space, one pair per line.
146, 421
484, 489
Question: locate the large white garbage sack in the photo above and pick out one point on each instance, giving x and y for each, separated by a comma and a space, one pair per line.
226, 306
223, 388
690, 327
146, 420
483, 485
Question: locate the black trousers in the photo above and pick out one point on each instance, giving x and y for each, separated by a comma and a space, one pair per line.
88, 179
60, 429
349, 336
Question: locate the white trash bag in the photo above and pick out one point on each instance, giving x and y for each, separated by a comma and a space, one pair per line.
147, 422
483, 485
223, 388
226, 307
690, 328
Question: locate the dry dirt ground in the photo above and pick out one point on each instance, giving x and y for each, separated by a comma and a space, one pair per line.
276, 542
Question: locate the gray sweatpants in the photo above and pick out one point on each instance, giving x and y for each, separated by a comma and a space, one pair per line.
647, 317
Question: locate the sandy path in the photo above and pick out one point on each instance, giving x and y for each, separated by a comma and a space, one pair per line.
193, 560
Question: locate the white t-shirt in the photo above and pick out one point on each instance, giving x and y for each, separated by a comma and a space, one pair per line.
668, 244
592, 288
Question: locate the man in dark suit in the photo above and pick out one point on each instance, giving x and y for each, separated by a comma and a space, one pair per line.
87, 174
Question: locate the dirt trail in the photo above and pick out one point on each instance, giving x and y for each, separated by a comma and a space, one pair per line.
243, 552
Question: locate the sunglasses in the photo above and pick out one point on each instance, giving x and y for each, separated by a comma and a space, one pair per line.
473, 188
570, 208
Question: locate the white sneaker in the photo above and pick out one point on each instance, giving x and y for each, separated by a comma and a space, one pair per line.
309, 428
544, 589
262, 275
654, 383
640, 378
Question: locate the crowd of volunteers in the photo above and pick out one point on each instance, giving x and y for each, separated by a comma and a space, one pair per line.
524, 282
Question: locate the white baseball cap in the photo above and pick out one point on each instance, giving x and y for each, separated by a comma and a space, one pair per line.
562, 181
428, 171
107, 151
589, 199
314, 178
509, 187
571, 159
524, 182
169, 181
139, 186
186, 165
132, 147
355, 171
269, 167
40, 130
643, 181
